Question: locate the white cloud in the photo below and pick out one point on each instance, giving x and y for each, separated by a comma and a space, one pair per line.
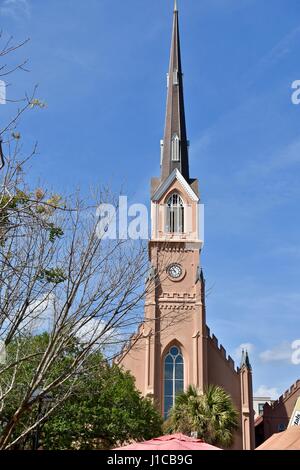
109, 342
238, 351
90, 330
39, 315
282, 352
37, 319
15, 8
280, 50
264, 391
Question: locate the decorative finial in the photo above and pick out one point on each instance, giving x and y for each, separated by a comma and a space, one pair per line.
175, 5
245, 359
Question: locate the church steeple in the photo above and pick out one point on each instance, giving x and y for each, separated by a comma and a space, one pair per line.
175, 144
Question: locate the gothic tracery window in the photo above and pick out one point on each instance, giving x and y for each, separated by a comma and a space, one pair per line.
175, 214
173, 377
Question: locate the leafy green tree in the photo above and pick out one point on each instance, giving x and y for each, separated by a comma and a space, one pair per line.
23, 357
58, 273
103, 409
211, 414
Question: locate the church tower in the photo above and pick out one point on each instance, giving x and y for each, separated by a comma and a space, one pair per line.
176, 303
173, 348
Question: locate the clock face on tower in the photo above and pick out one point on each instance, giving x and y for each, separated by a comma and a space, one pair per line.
174, 271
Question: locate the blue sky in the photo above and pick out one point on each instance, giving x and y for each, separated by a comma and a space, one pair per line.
101, 68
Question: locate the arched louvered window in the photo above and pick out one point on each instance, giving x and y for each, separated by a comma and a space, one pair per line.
175, 214
175, 77
175, 148
173, 377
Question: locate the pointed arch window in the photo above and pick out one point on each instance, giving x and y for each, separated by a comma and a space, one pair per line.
173, 377
175, 148
175, 214
175, 77
161, 151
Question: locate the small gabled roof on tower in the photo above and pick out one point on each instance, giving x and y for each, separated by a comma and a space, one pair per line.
175, 175
175, 126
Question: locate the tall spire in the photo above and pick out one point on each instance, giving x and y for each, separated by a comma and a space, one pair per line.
175, 144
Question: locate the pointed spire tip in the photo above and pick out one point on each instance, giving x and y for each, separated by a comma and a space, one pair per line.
245, 359
175, 5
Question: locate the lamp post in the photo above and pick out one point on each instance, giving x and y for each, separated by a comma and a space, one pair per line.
43, 400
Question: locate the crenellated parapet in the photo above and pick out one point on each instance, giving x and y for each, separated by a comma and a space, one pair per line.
286, 395
167, 296
222, 351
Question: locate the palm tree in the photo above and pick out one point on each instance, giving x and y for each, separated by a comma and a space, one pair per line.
211, 414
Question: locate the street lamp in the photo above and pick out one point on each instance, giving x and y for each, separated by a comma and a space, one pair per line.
43, 402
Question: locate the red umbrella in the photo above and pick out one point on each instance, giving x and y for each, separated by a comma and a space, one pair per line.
172, 442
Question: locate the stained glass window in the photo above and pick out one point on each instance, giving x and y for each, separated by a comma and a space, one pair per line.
173, 377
